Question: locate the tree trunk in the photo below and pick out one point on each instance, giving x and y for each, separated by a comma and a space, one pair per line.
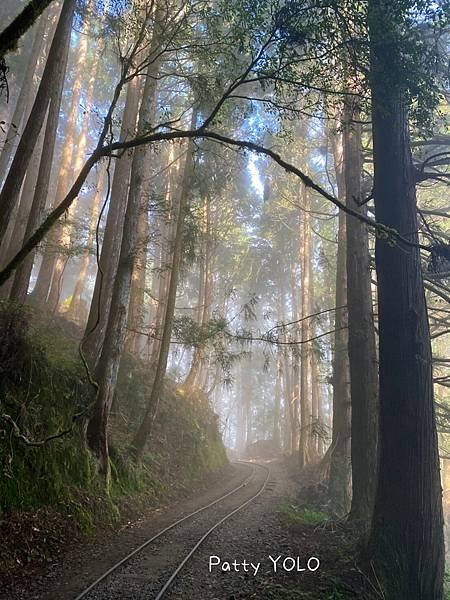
23, 272
241, 416
276, 430
286, 422
204, 299
294, 386
112, 238
72, 157
52, 71
75, 304
160, 274
305, 398
339, 477
10, 36
23, 100
19, 223
318, 441
155, 395
247, 390
406, 544
361, 333
137, 294
314, 380
108, 364
292, 445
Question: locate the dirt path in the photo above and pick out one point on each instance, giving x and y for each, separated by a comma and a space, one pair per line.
144, 575
301, 562
83, 563
255, 554
251, 534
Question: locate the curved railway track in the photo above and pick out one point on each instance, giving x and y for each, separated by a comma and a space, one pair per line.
211, 520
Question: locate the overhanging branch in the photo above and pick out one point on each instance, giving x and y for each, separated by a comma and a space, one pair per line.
382, 231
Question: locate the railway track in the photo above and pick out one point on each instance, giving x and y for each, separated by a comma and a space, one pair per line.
184, 536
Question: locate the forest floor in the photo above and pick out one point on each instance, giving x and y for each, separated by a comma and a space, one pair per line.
268, 527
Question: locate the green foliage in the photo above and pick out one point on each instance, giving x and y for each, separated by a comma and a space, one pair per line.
281, 592
303, 516
447, 586
41, 388
43, 384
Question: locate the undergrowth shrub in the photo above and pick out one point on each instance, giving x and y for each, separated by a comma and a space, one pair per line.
41, 388
303, 516
43, 384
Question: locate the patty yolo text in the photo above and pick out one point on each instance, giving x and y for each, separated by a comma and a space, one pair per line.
274, 563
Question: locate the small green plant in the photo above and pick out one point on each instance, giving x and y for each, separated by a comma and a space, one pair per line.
447, 586
303, 516
280, 592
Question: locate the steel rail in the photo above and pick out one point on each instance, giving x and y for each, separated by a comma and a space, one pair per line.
172, 578
124, 560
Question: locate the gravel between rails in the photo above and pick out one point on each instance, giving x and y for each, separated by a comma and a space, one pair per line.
252, 534
144, 575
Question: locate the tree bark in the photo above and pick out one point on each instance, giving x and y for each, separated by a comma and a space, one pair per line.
112, 238
406, 544
152, 406
305, 398
108, 364
339, 476
23, 273
20, 25
23, 100
361, 332
75, 303
52, 71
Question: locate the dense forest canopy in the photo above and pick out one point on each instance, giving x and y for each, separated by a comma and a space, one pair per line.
249, 199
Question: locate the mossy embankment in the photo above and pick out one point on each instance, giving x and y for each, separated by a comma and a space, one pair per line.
52, 491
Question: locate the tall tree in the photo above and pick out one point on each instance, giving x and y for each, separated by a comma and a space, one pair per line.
339, 476
80, 283
294, 375
23, 273
48, 283
25, 99
18, 224
161, 271
52, 71
109, 255
144, 429
305, 395
276, 429
108, 363
361, 332
406, 542
204, 297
